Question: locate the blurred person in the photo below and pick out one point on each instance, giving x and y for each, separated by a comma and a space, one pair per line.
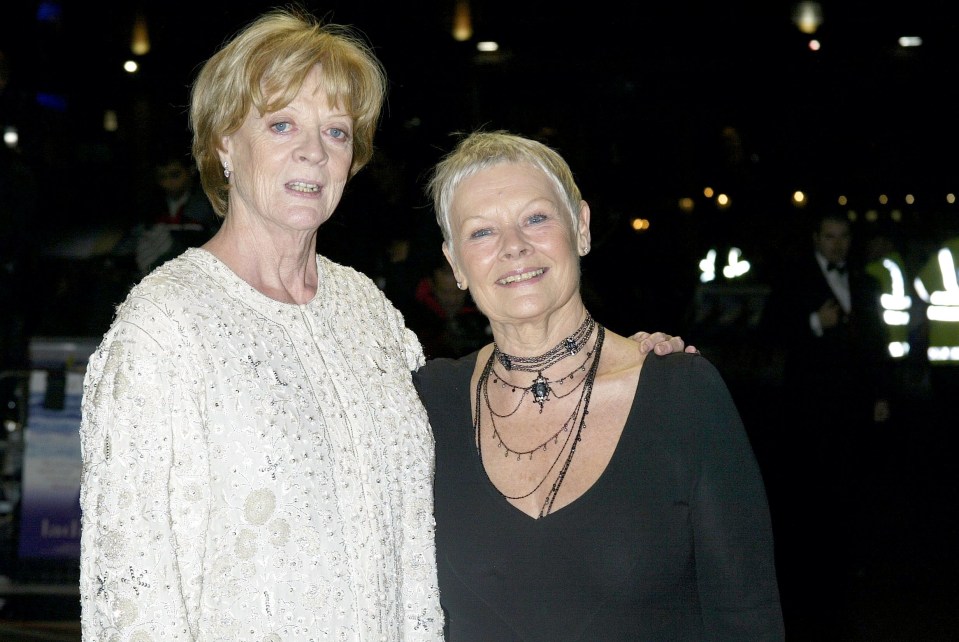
584, 490
257, 464
824, 308
824, 312
177, 213
937, 285
444, 316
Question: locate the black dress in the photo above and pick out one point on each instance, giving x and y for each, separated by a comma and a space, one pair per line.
673, 542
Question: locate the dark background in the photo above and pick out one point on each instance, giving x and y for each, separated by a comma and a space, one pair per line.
650, 102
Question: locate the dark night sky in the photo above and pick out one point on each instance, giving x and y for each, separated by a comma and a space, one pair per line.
653, 83
647, 101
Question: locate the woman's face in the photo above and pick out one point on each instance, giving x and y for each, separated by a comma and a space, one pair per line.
513, 242
289, 167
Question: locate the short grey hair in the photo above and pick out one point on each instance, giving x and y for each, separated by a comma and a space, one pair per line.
481, 150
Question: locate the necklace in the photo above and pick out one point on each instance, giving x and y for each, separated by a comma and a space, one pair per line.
577, 417
565, 348
540, 388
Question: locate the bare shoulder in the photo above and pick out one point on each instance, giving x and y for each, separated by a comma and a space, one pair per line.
621, 356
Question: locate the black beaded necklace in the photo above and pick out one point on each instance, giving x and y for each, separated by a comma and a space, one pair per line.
541, 387
577, 417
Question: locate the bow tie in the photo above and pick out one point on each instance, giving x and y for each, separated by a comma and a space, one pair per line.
841, 269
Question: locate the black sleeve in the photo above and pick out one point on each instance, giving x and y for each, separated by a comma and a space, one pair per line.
732, 530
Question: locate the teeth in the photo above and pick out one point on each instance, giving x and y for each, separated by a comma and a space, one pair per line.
525, 276
303, 187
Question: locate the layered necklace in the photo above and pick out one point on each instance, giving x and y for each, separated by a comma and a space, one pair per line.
541, 391
540, 388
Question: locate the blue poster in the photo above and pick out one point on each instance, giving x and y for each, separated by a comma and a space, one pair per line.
50, 500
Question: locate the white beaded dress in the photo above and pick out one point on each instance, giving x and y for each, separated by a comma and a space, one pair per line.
255, 470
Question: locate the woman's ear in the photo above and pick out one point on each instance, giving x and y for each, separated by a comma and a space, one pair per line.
224, 151
583, 237
460, 279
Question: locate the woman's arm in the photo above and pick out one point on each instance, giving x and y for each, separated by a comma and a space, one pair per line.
733, 538
143, 510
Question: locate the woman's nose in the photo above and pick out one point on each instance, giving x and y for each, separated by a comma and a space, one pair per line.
515, 244
311, 148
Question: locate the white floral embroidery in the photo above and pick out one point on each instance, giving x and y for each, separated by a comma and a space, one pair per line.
279, 532
259, 506
256, 471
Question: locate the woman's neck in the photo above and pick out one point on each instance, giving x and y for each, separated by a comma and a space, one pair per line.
528, 338
283, 272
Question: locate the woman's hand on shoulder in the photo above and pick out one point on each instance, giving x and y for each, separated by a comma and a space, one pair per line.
662, 343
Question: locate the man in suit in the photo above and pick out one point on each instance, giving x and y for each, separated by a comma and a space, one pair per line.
824, 310
824, 313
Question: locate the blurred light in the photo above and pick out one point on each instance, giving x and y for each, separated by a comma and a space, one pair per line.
52, 101
686, 204
910, 41
814, 45
110, 123
130, 66
910, 199
708, 192
140, 39
49, 12
872, 216
950, 198
799, 198
11, 137
462, 21
895, 317
487, 45
807, 16
640, 224
723, 201
896, 215
898, 349
883, 199
734, 266
843, 200
707, 267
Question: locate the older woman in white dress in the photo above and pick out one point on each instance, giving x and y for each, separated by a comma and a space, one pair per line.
257, 465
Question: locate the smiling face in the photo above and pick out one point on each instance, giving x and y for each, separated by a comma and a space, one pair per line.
513, 243
289, 167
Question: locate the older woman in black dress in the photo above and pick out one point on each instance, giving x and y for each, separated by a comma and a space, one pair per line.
584, 489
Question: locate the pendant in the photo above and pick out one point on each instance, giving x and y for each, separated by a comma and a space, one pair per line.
540, 390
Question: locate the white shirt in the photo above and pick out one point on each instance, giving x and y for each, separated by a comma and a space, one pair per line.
254, 470
839, 284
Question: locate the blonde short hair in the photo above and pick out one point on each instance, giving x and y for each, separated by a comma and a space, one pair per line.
481, 150
263, 68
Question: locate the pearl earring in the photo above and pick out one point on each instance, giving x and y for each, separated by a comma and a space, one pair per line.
226, 170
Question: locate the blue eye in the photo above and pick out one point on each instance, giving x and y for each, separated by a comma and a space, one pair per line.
479, 233
281, 127
339, 134
537, 218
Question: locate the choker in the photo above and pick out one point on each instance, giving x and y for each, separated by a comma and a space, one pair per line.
577, 417
540, 388
567, 347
